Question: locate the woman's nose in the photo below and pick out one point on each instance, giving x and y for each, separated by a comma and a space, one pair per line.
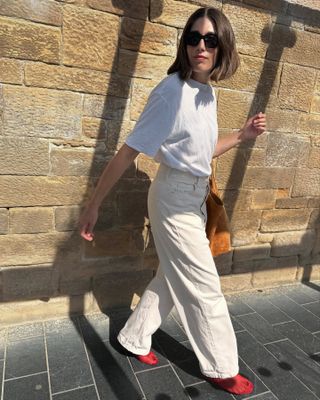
201, 44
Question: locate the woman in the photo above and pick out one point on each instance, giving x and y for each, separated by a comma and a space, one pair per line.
178, 127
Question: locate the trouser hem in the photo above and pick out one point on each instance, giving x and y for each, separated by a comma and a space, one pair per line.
221, 375
127, 344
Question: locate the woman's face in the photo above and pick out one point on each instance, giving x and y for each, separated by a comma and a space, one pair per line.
201, 58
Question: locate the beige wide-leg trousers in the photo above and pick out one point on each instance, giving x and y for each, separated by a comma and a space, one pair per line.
187, 277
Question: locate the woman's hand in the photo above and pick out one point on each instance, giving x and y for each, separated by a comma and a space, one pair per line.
254, 127
87, 222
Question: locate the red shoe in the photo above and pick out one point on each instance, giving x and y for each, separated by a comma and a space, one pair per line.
150, 359
236, 385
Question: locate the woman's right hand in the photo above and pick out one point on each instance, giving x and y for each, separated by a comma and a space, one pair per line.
87, 222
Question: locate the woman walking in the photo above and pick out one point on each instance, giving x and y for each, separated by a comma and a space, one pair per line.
178, 128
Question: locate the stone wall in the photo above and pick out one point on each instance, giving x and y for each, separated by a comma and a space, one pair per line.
75, 75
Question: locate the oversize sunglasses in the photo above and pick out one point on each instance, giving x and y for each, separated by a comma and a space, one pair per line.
210, 39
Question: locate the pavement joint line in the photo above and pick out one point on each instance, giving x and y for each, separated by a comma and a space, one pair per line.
283, 322
241, 315
4, 363
276, 341
256, 396
135, 375
88, 358
72, 390
47, 360
310, 302
25, 376
152, 369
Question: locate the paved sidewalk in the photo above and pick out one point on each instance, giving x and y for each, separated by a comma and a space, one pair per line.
279, 346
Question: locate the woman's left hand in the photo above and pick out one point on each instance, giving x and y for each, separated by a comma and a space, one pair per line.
254, 127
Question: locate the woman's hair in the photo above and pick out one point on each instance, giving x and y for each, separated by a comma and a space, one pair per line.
227, 60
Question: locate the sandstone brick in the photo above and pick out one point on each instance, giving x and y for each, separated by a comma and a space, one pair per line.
283, 272
47, 12
86, 34
296, 87
30, 220
263, 199
316, 247
76, 162
223, 263
29, 249
306, 182
309, 123
230, 167
117, 133
106, 107
282, 19
243, 266
147, 167
134, 9
143, 65
286, 150
251, 252
292, 243
257, 157
236, 282
265, 237
150, 262
11, 71
290, 45
314, 202
29, 41
76, 79
239, 200
298, 202
112, 291
315, 104
244, 226
41, 112
141, 89
66, 218
147, 37
172, 13
281, 120
309, 273
314, 158
249, 74
305, 9
284, 220
94, 128
24, 156
314, 220
282, 193
18, 191
268, 178
132, 208
75, 287
233, 108
271, 5
23, 283
4, 221
248, 24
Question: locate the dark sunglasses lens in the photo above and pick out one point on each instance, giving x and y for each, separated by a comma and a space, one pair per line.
211, 41
193, 39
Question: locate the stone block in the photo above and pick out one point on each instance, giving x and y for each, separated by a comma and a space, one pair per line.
150, 262
298, 202
94, 128
4, 221
224, 263
236, 282
25, 283
41, 113
147, 37
315, 104
252, 252
30, 220
141, 89
143, 65
268, 178
46, 11
249, 75
107, 107
117, 133
66, 218
257, 157
289, 45
293, 243
284, 220
90, 38
18, 191
314, 220
132, 208
11, 71
118, 289
244, 227
75, 287
283, 271
314, 158
309, 273
263, 199
233, 108
29, 41
172, 13
265, 237
271, 5
135, 9
309, 124
287, 150
281, 120
76, 79
314, 202
42, 248
296, 87
306, 182
147, 167
242, 266
24, 156
239, 200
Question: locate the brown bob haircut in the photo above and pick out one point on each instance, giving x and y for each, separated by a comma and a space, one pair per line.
227, 58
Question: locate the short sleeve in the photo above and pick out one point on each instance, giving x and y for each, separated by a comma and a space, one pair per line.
153, 126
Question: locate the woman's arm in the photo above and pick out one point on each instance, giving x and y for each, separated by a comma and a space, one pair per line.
111, 174
254, 127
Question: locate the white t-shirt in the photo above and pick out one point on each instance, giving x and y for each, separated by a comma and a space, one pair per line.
178, 126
